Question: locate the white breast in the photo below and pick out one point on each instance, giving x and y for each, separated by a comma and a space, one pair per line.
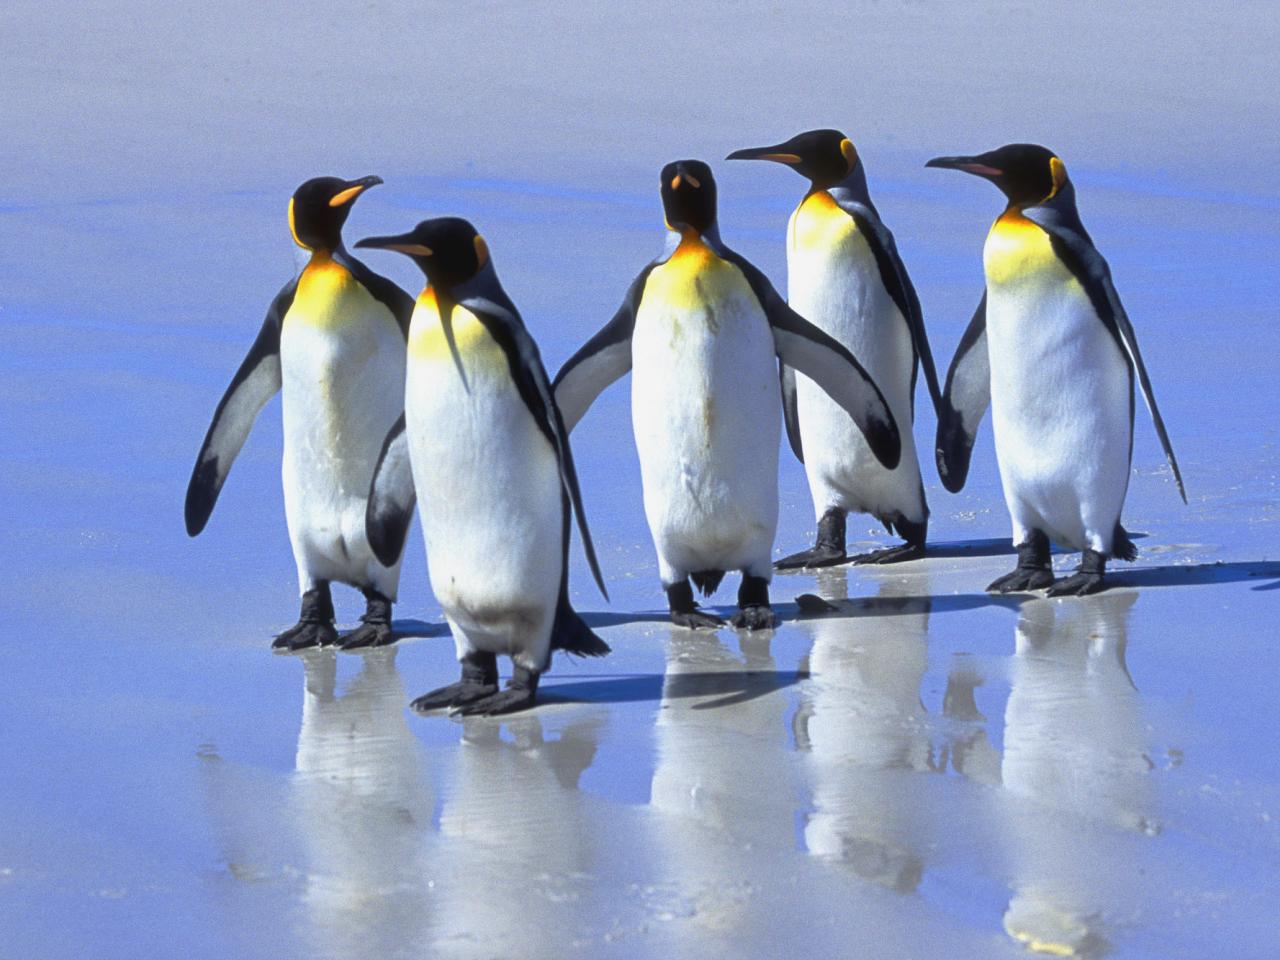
488, 488
705, 410
1060, 392
834, 283
342, 363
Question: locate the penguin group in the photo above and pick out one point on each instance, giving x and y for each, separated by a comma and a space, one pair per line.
390, 401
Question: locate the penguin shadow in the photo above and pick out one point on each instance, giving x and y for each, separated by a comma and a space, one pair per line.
1200, 574
714, 688
412, 629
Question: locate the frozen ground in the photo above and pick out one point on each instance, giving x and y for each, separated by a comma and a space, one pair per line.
930, 773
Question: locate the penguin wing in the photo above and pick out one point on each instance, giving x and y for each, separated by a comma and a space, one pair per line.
385, 291
826, 361
964, 402
897, 282
790, 409
504, 325
1076, 250
604, 358
391, 497
256, 382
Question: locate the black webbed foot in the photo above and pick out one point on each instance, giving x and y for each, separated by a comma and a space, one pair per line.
367, 635
479, 680
1086, 580
685, 613
1033, 571
1077, 585
898, 554
1020, 581
375, 629
754, 618
315, 622
303, 636
697, 620
828, 548
454, 695
819, 556
521, 693
753, 605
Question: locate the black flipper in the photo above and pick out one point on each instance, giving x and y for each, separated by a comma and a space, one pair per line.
828, 363
790, 409
1075, 249
385, 291
391, 497
965, 401
256, 381
897, 282
500, 318
571, 634
603, 359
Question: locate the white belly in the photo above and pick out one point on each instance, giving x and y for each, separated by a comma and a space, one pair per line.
342, 361
705, 409
834, 283
489, 492
1060, 406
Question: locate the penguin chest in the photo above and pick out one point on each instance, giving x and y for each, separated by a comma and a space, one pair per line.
487, 479
1060, 389
705, 398
342, 360
834, 282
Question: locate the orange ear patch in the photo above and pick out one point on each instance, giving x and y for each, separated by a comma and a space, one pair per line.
482, 251
849, 153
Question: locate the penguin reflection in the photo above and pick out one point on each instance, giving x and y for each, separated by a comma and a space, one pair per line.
865, 731
1075, 764
722, 784
364, 807
519, 841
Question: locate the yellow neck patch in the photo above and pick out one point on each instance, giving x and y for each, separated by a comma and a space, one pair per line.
1018, 250
819, 224
692, 277
321, 289
426, 333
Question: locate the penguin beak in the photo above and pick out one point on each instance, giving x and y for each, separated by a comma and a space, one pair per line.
405, 243
353, 189
777, 153
975, 165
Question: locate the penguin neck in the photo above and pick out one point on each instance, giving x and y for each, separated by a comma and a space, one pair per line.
687, 239
852, 187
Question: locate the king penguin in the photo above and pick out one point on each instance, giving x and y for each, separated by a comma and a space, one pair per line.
333, 343
483, 444
845, 276
703, 330
1052, 351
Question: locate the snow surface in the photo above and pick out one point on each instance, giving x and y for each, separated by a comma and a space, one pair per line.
931, 773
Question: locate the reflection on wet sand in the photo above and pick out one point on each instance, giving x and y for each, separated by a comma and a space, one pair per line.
723, 790
864, 729
1076, 768
363, 804
519, 842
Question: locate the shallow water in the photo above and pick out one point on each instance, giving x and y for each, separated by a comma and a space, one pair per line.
930, 772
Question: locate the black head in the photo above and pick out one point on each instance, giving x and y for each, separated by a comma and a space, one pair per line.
689, 196
319, 208
824, 156
1027, 173
447, 249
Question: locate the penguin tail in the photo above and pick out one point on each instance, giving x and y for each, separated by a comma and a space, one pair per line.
571, 634
707, 580
1122, 548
